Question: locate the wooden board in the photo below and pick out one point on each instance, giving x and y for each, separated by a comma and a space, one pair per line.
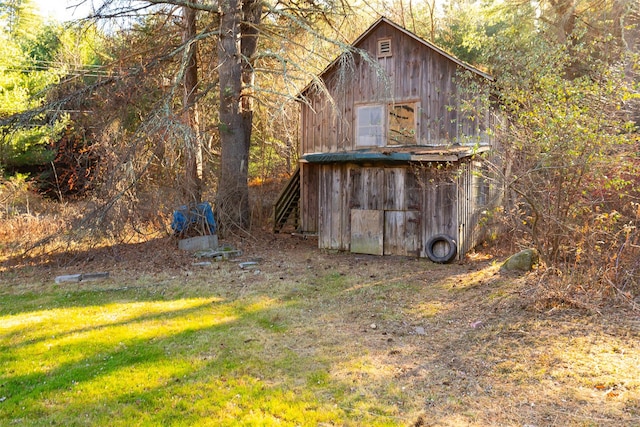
309, 189
439, 204
367, 231
402, 233
324, 207
333, 214
394, 188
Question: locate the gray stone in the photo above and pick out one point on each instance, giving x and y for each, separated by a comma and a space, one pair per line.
217, 255
522, 261
247, 265
201, 264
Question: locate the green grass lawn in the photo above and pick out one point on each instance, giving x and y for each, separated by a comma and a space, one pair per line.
328, 340
132, 357
151, 354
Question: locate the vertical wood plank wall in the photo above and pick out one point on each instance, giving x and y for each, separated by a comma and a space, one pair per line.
439, 203
333, 225
415, 72
418, 203
466, 205
476, 196
309, 197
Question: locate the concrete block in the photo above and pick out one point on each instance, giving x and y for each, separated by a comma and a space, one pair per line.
199, 243
83, 277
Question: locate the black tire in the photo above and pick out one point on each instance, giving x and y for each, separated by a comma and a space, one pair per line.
441, 248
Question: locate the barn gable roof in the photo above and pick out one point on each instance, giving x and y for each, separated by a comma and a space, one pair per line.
420, 40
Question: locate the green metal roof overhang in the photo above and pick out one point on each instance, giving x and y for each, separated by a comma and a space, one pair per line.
430, 155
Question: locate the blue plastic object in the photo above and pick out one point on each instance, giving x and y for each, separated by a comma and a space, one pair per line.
186, 217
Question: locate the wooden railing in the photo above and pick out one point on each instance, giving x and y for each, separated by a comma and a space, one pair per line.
287, 204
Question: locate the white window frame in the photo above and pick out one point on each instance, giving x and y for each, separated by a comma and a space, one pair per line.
378, 134
371, 134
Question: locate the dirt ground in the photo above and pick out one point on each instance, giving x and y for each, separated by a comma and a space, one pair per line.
461, 343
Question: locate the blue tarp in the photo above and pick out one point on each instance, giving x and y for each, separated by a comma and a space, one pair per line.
200, 215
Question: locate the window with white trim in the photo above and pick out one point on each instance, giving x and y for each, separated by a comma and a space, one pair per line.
370, 126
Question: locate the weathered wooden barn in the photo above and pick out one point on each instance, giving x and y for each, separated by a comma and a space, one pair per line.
391, 141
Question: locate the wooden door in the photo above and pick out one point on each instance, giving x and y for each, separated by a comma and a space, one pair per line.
367, 231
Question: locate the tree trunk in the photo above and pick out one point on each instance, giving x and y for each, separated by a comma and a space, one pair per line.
251, 14
238, 43
233, 187
193, 144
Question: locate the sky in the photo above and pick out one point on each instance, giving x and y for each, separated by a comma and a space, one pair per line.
63, 10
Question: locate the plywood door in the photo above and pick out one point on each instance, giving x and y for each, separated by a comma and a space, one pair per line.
367, 231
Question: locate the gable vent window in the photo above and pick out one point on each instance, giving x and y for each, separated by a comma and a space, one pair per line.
384, 48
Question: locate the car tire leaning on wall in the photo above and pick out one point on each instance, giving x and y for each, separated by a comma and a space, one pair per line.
448, 254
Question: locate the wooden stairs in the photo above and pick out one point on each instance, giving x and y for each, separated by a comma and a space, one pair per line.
288, 203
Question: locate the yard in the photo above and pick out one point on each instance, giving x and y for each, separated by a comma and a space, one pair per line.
303, 337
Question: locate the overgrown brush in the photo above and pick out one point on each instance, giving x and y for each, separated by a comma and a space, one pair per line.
31, 223
570, 172
26, 217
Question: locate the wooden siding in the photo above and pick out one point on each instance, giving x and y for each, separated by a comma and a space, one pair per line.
309, 198
477, 196
402, 233
466, 205
333, 220
414, 72
408, 205
439, 202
